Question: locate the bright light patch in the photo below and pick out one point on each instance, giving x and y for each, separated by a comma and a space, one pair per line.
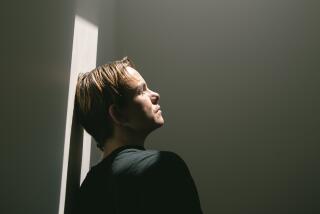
84, 54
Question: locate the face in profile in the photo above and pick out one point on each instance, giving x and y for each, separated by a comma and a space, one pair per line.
143, 110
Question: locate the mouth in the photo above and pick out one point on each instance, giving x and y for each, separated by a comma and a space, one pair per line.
157, 109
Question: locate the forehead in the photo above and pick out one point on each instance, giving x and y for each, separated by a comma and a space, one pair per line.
134, 78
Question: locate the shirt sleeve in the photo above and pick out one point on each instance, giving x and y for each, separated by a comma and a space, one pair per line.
168, 187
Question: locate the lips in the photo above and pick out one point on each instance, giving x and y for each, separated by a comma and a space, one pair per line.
158, 108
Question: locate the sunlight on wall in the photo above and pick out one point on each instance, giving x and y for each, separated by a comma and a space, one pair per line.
84, 54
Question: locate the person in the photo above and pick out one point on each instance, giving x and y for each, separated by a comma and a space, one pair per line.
115, 105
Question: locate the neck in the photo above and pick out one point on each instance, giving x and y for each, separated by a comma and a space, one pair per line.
122, 138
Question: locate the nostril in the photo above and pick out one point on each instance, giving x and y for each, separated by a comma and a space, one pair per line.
155, 97
158, 96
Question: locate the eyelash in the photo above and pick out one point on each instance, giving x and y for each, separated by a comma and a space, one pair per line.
142, 90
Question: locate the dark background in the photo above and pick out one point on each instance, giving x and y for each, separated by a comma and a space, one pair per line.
239, 85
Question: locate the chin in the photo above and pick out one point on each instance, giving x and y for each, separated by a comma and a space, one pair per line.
159, 120
158, 123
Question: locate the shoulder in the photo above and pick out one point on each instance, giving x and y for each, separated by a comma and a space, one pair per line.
167, 164
168, 180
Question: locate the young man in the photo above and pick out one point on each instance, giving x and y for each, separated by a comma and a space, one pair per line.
115, 105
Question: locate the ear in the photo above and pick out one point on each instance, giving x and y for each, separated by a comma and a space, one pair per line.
116, 115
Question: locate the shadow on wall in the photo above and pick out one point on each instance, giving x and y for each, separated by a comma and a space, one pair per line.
74, 164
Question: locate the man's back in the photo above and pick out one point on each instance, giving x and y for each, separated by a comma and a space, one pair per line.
134, 180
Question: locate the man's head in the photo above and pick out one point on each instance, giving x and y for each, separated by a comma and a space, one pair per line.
115, 95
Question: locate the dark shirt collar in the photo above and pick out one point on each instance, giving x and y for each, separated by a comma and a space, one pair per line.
121, 148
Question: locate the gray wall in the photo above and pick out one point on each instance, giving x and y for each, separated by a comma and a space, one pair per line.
239, 85
37, 43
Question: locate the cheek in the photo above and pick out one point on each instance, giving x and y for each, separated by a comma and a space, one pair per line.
144, 106
141, 107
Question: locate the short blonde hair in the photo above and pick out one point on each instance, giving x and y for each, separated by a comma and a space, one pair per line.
95, 92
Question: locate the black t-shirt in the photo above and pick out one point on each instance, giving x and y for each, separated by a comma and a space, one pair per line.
135, 180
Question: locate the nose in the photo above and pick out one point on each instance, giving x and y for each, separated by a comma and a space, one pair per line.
155, 97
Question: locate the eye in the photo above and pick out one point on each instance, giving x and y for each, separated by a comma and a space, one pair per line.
142, 89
